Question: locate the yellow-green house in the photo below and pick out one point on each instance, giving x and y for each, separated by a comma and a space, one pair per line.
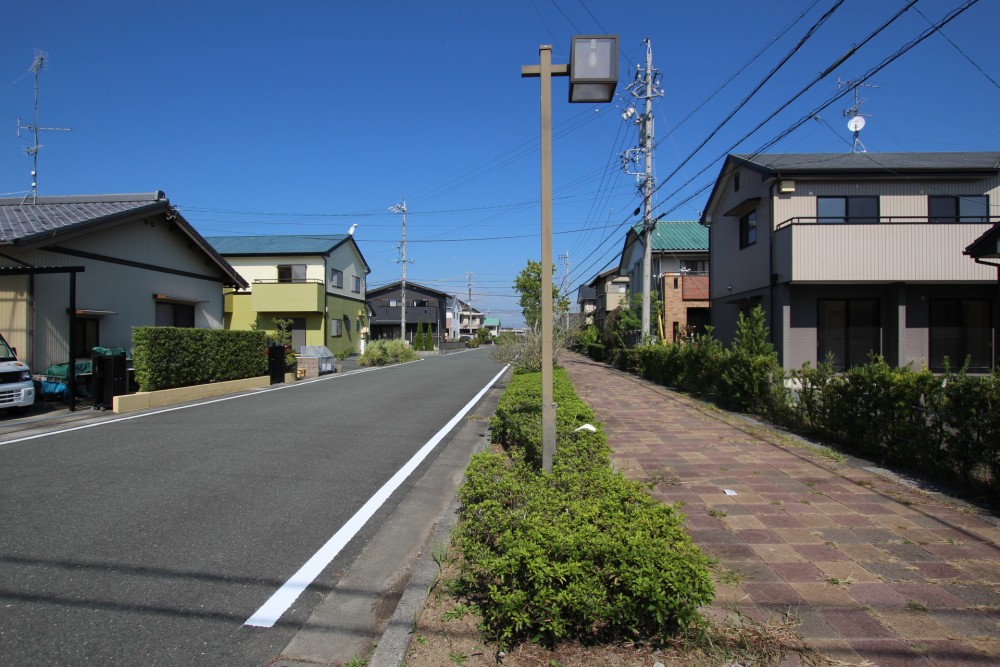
317, 282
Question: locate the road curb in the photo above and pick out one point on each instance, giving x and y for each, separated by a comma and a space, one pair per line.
392, 647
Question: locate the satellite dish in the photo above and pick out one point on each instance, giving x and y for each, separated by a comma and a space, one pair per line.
856, 124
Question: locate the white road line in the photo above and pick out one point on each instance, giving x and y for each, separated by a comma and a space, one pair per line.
284, 597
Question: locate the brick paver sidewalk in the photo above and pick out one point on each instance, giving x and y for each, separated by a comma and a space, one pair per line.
875, 569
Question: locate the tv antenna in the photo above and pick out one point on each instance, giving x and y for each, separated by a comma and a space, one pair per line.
856, 120
34, 128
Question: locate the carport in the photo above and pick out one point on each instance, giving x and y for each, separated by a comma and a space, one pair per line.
72, 271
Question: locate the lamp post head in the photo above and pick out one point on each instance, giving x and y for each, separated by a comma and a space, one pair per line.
593, 68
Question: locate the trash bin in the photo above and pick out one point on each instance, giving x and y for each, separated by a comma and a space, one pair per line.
276, 363
109, 378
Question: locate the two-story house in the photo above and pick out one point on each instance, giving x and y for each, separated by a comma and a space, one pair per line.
81, 271
611, 291
462, 319
678, 273
425, 307
316, 282
853, 254
586, 299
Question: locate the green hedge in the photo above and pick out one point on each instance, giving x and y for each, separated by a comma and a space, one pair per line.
386, 352
581, 553
167, 357
945, 427
942, 427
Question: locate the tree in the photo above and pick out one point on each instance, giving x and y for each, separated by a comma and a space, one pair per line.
529, 285
418, 337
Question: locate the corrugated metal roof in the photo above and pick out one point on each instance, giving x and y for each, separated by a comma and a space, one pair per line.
22, 218
879, 162
491, 322
276, 245
677, 235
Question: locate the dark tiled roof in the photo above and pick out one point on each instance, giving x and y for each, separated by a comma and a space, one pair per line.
872, 162
677, 235
586, 293
22, 219
987, 245
386, 289
276, 245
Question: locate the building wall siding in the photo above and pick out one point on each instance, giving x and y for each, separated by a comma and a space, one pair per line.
125, 291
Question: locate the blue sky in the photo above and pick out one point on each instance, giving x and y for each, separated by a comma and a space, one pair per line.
306, 117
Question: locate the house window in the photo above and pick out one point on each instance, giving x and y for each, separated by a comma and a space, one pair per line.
336, 327
966, 208
394, 303
736, 182
174, 314
848, 329
840, 210
291, 273
748, 229
336, 278
420, 303
960, 329
356, 284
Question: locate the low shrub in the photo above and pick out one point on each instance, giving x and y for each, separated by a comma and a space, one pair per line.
942, 427
581, 553
387, 352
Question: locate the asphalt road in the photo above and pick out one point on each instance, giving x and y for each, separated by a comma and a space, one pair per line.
154, 539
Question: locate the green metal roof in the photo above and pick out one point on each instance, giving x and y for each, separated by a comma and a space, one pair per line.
491, 322
276, 245
677, 235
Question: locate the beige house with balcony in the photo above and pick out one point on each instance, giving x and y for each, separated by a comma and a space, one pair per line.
611, 291
316, 282
851, 254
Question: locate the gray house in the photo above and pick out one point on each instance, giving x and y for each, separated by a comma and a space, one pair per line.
81, 271
853, 254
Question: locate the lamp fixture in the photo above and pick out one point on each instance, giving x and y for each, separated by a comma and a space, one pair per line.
593, 68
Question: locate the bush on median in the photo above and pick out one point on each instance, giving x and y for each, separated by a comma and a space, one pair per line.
387, 352
580, 553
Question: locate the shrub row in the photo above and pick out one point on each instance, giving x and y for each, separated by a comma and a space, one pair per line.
581, 553
386, 352
167, 357
947, 427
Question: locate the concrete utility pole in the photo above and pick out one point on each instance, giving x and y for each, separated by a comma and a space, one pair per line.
644, 87
565, 285
468, 277
401, 208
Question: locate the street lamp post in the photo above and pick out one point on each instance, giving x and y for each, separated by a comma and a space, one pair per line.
593, 72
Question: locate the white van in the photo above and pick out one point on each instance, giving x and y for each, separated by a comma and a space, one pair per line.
17, 390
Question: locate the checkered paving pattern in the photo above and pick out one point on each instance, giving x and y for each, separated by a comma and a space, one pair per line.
875, 570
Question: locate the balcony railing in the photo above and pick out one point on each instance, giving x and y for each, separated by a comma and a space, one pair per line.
894, 249
300, 296
891, 220
694, 286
